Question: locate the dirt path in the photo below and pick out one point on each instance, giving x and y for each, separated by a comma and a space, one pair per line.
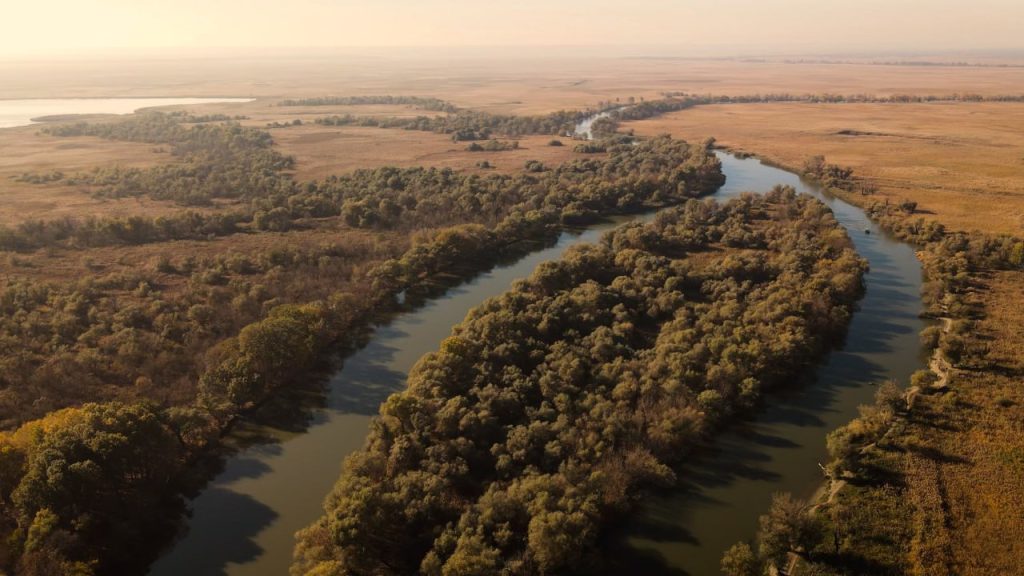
938, 363
827, 493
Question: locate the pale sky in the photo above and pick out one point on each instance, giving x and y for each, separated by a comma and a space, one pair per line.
76, 27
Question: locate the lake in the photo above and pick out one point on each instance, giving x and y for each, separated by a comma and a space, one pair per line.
21, 112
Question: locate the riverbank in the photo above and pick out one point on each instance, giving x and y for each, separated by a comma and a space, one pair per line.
921, 499
259, 481
687, 530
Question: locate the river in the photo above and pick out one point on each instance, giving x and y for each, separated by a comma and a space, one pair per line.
21, 112
685, 530
244, 522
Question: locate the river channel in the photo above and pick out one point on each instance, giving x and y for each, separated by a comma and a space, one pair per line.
244, 522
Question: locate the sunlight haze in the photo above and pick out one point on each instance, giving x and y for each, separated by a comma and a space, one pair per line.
76, 27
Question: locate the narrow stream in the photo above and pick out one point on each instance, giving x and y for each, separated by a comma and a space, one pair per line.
244, 522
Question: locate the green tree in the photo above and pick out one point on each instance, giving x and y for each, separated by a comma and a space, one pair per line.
740, 560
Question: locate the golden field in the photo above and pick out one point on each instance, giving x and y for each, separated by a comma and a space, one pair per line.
961, 454
506, 82
963, 163
945, 156
23, 150
320, 151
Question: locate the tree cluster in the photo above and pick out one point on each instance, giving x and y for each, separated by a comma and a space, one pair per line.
550, 405
430, 104
239, 327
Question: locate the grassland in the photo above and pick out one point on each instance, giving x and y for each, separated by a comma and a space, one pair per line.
963, 163
319, 151
507, 83
323, 150
943, 492
22, 150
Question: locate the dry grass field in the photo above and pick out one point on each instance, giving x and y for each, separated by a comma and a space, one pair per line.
24, 150
324, 150
945, 156
964, 464
509, 83
319, 152
962, 162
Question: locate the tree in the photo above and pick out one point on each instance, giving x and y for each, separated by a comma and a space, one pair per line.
101, 473
740, 560
815, 166
787, 527
889, 396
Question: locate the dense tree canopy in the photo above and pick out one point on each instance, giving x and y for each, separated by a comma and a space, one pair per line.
549, 405
210, 337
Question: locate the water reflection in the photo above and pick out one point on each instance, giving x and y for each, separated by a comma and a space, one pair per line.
725, 487
244, 523
287, 468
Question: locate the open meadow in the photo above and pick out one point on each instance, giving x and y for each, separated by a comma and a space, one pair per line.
963, 162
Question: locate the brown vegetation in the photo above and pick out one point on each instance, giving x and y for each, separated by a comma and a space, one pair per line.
164, 331
963, 163
23, 150
323, 150
508, 83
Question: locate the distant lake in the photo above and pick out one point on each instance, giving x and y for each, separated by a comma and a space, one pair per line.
21, 112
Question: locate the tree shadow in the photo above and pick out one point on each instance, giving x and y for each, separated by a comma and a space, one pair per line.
231, 521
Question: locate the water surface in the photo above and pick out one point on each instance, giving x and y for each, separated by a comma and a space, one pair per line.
21, 112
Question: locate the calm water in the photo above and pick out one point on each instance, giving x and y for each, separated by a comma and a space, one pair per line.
686, 530
244, 522
21, 112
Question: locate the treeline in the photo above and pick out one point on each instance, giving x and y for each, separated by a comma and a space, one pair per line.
97, 231
551, 405
677, 101
924, 63
217, 161
97, 488
473, 125
467, 125
204, 118
895, 217
602, 145
655, 172
431, 104
660, 170
827, 98
493, 146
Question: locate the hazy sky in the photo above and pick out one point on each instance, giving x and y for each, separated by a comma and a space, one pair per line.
74, 27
